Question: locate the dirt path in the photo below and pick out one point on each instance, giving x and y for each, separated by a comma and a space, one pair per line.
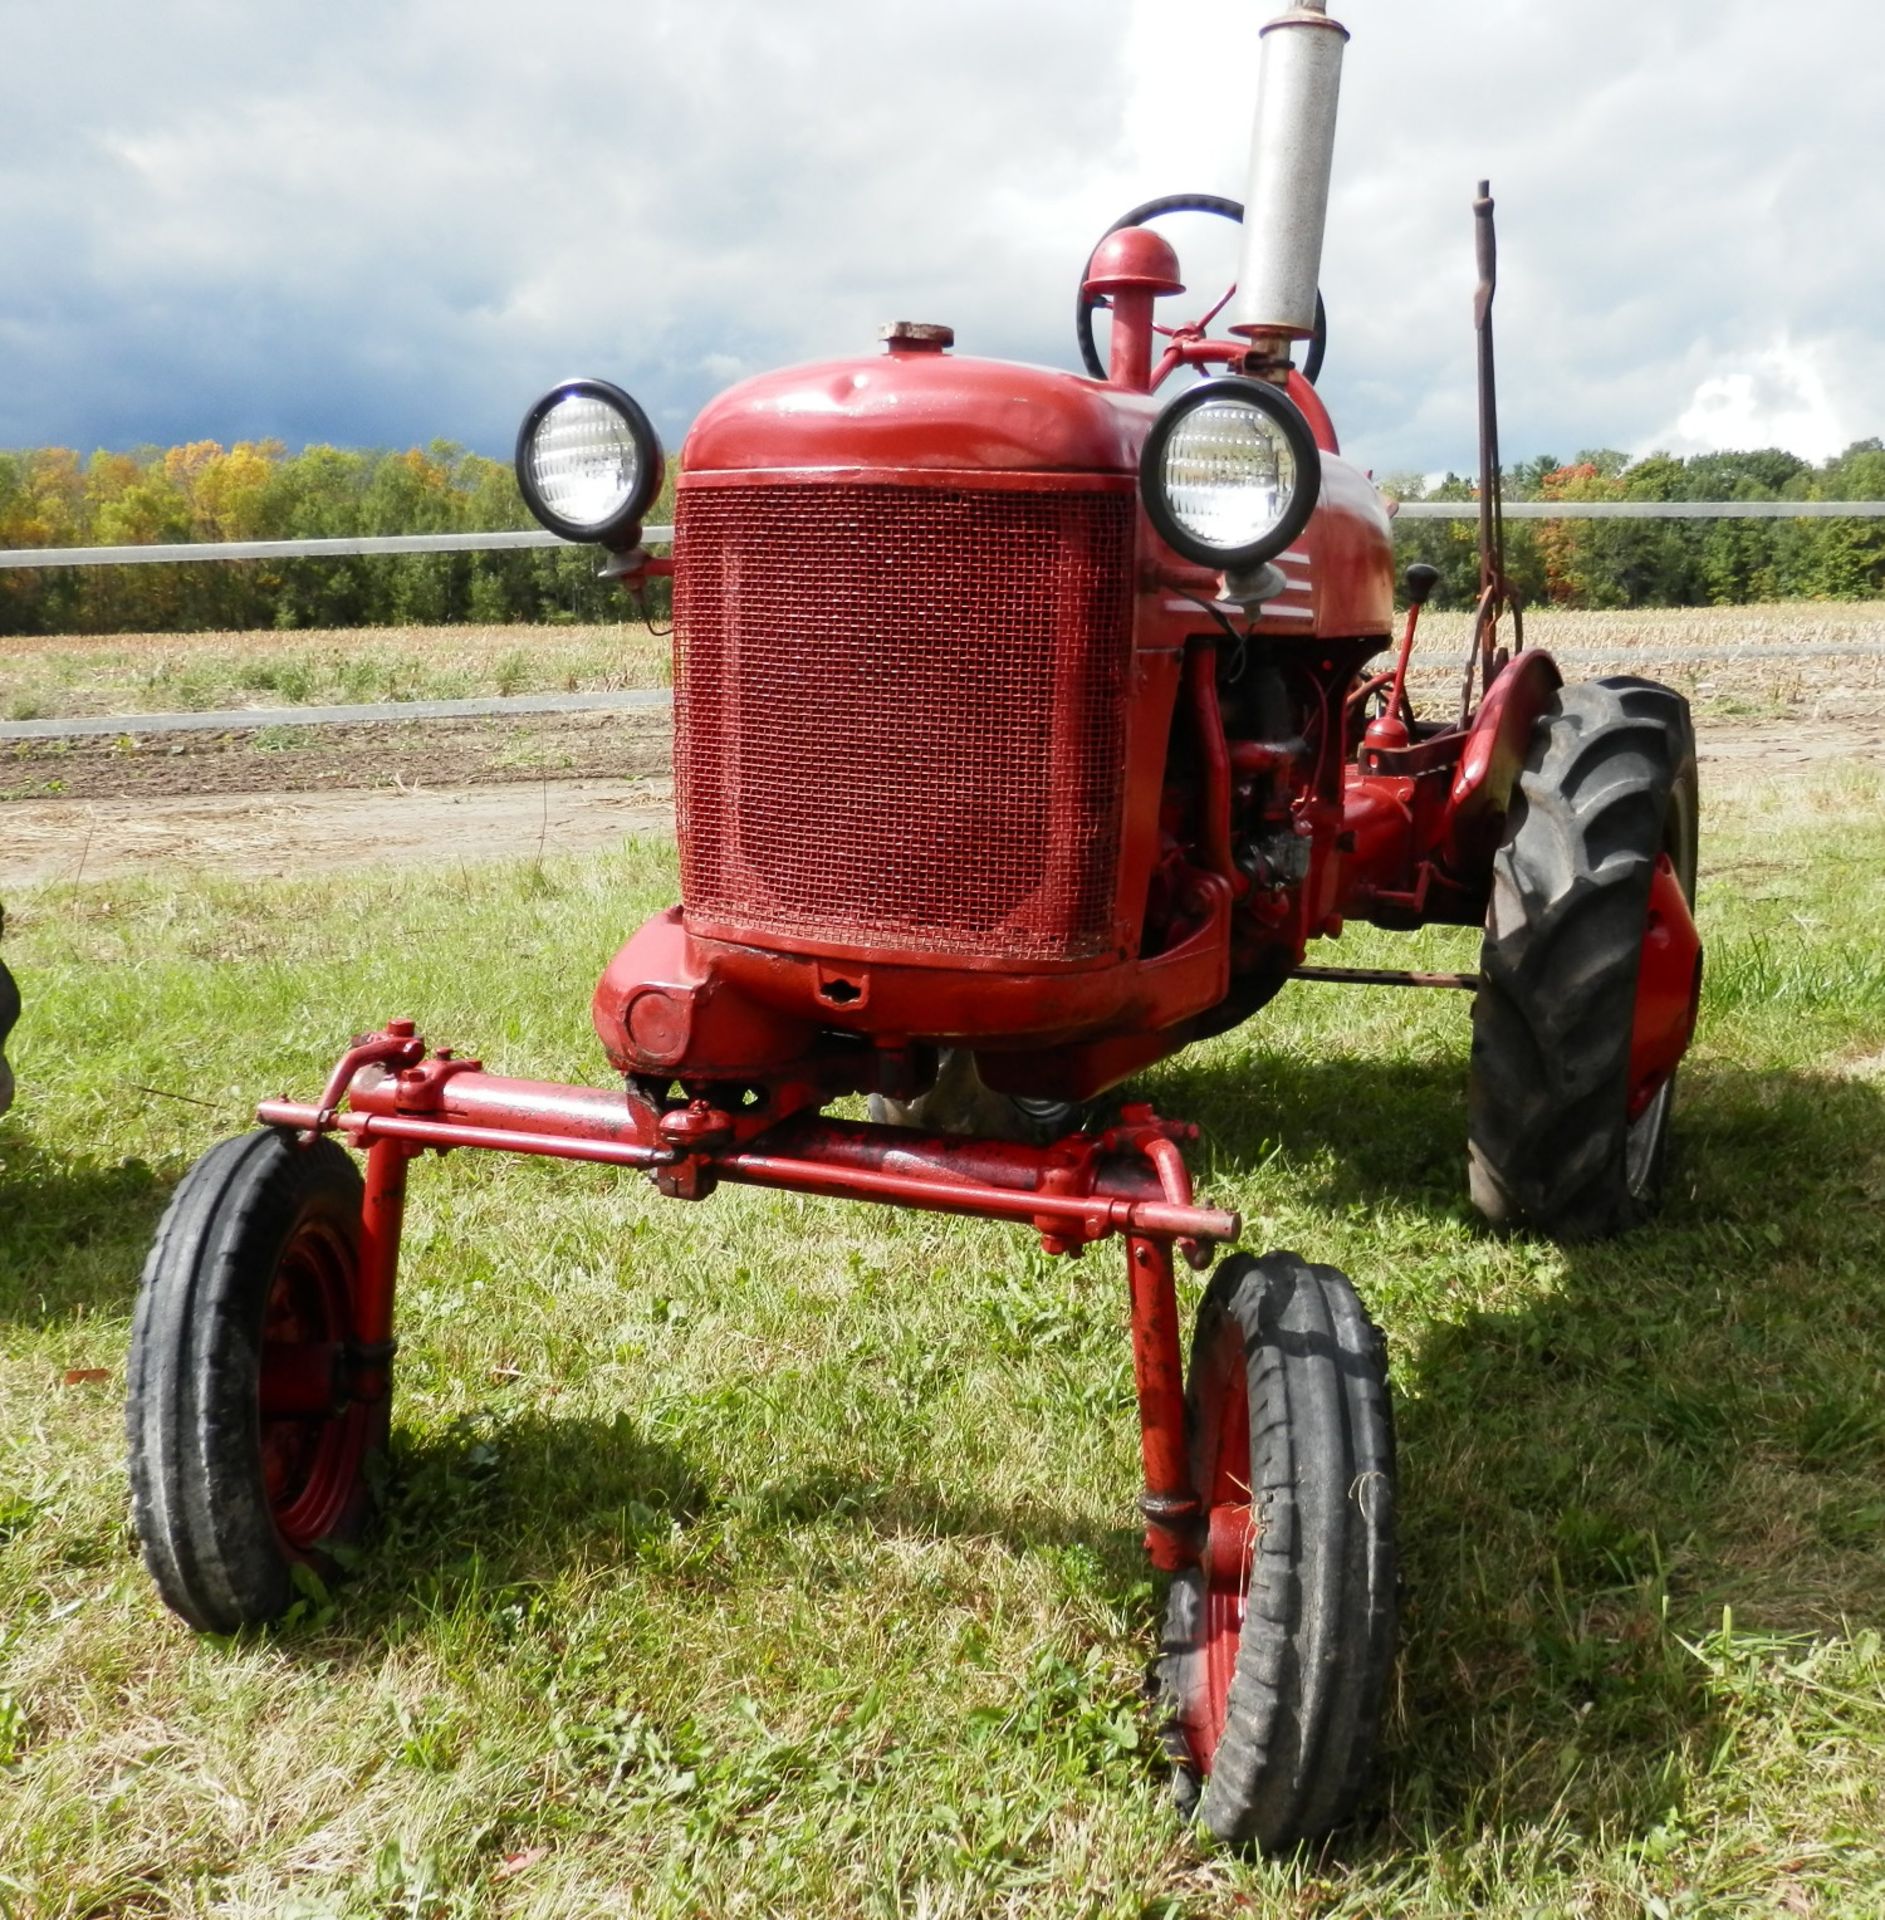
251, 761
266, 835
454, 793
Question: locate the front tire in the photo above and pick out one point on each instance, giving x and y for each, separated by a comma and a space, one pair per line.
1277, 1648
248, 1454
1558, 1138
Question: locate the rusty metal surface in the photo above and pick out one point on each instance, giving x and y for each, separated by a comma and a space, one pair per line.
1496, 593
1387, 977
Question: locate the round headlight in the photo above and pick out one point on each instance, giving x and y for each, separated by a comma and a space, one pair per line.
588, 463
1230, 473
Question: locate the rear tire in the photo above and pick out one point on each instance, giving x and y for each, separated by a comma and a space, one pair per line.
1277, 1649
1609, 786
9, 1014
248, 1455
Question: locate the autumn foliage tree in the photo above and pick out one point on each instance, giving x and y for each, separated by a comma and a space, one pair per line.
1668, 562
257, 490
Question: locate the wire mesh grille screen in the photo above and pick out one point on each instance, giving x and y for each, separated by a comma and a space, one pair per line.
900, 715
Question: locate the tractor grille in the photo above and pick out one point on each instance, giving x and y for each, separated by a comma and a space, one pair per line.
900, 715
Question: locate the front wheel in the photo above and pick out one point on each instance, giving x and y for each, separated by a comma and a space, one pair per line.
1277, 1647
249, 1452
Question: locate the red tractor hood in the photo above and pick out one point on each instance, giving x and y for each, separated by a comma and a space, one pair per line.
921, 412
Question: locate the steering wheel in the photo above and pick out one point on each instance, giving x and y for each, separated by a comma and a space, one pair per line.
1193, 336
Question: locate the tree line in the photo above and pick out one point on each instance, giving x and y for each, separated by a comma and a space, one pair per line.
257, 490
1665, 563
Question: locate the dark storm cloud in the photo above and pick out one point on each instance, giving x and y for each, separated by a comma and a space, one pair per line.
381, 224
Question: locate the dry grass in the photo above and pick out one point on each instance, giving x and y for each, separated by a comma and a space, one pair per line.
1676, 644
145, 673
48, 678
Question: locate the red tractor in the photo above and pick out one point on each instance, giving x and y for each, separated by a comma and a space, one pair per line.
1028, 729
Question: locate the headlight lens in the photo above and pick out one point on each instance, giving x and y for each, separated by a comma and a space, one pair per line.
588, 462
1230, 473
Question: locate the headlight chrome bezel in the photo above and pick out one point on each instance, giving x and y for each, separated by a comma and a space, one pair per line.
622, 526
1282, 414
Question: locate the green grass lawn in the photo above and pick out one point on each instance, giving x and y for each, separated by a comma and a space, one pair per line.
773, 1557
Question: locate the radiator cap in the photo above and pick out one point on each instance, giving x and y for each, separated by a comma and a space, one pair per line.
916, 336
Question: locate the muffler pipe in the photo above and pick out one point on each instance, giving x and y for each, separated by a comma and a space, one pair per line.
1286, 203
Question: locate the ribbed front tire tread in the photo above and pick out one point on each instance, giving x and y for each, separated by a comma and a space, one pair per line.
198, 1500
1317, 1647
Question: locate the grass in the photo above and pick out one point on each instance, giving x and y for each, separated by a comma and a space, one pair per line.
777, 1558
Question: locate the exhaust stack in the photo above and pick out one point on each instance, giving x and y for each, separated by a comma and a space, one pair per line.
1286, 204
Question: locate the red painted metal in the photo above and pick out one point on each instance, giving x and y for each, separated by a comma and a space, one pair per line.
1398, 711
1214, 764
301, 1377
923, 798
1187, 349
369, 1129
739, 997
1131, 268
382, 1218
1170, 1502
1072, 1191
905, 414
1093, 1217
929, 760
1350, 547
397, 1046
1492, 756
1221, 1461
1668, 988
1309, 404
312, 1436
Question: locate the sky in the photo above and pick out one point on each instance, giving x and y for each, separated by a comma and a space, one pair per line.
381, 222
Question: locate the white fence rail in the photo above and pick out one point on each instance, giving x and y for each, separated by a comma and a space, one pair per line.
194, 551
1413, 509
1646, 510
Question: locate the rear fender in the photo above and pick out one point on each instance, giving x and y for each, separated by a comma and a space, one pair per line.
1491, 761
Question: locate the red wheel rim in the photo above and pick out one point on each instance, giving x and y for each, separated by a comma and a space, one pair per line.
1224, 1477
1668, 989
313, 1437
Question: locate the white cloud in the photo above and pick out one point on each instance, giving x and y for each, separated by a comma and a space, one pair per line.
334, 218
1773, 398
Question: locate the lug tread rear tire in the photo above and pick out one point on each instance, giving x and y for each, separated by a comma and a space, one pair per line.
1608, 785
9, 1015
198, 1500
